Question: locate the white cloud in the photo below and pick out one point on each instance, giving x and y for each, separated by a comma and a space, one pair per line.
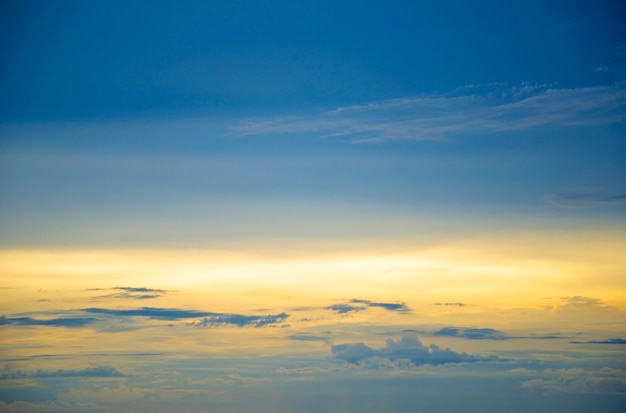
470, 110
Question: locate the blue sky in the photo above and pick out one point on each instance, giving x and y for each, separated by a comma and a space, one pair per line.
312, 206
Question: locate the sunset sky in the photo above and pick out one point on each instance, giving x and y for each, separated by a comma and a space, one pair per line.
311, 206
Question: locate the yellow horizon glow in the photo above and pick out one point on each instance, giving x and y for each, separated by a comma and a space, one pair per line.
502, 271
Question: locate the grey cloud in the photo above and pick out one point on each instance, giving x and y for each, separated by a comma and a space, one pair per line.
469, 110
242, 320
52, 322
152, 312
101, 371
452, 304
307, 338
486, 334
360, 305
585, 199
345, 308
609, 341
408, 348
472, 333
137, 293
580, 381
387, 306
208, 318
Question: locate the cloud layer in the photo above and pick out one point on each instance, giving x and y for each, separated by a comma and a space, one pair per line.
408, 348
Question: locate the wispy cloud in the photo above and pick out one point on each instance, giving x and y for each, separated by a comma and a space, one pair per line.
408, 348
307, 338
585, 199
101, 371
152, 312
609, 341
470, 110
452, 304
472, 333
50, 322
486, 334
359, 305
242, 320
137, 293
580, 381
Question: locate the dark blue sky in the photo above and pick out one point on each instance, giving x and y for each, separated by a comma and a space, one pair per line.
101, 59
113, 113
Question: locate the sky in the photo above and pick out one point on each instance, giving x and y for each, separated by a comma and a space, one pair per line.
312, 206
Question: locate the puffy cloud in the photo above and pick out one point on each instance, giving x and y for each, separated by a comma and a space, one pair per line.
408, 348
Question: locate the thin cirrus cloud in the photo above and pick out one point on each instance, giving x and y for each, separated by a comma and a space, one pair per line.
408, 348
469, 111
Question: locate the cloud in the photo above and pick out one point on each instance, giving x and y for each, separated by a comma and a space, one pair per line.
242, 320
307, 338
408, 348
580, 381
609, 341
101, 371
387, 306
485, 334
452, 304
472, 333
472, 110
137, 293
152, 312
208, 318
51, 322
345, 308
359, 305
585, 199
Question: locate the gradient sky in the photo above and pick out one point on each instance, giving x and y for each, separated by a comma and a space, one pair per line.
296, 206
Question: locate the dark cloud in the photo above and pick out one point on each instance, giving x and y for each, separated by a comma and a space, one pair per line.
585, 199
242, 320
408, 348
486, 334
472, 333
360, 305
307, 338
52, 322
152, 312
136, 293
609, 341
345, 308
101, 371
452, 304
